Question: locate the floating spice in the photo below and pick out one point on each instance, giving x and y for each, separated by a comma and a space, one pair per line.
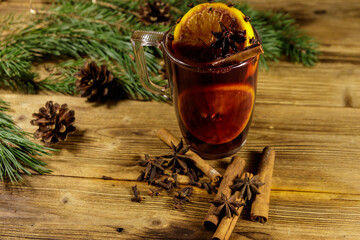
228, 37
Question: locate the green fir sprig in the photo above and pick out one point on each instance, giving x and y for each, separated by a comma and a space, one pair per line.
80, 30
17, 152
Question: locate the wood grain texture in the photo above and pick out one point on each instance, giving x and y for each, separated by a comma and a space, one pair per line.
52, 207
309, 115
111, 138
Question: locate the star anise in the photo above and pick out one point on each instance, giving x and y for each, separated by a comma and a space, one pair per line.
228, 37
247, 186
227, 206
152, 165
178, 159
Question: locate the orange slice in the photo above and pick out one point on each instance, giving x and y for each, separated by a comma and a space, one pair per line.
216, 114
196, 25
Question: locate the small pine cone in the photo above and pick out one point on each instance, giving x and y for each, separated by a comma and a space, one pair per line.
93, 82
55, 123
155, 12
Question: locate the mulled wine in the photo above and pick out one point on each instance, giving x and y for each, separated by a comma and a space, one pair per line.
213, 105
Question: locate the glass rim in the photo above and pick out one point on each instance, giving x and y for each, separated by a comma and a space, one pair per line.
197, 68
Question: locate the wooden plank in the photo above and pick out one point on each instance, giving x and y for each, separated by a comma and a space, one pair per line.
311, 142
326, 84
78, 208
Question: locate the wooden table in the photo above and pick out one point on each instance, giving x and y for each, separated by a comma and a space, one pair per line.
311, 116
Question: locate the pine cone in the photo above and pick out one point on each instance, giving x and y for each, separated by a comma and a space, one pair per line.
156, 12
93, 82
54, 122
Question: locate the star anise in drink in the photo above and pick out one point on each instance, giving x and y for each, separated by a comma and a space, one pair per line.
247, 186
178, 159
227, 206
152, 166
228, 37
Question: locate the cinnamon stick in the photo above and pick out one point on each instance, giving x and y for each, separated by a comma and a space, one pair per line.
239, 57
227, 225
260, 206
233, 171
208, 170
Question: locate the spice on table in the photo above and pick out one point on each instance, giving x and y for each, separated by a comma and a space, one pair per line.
175, 177
227, 206
260, 206
152, 166
194, 173
227, 224
154, 192
205, 185
137, 197
167, 182
247, 185
200, 163
178, 159
182, 196
234, 170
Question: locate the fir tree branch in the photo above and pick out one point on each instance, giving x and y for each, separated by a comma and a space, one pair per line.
101, 31
17, 152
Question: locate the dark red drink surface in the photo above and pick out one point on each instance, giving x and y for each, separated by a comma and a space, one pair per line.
213, 106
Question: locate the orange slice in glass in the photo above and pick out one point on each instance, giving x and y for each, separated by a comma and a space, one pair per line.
216, 114
196, 25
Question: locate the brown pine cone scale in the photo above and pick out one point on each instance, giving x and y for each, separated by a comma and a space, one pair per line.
155, 12
93, 82
55, 122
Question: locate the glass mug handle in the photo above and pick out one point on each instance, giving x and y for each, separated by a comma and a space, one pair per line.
139, 39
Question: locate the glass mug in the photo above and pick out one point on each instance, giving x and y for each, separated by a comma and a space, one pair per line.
213, 105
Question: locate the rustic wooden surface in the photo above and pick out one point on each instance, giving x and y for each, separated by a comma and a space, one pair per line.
309, 115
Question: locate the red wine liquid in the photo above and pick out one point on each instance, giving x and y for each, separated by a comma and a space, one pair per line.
213, 106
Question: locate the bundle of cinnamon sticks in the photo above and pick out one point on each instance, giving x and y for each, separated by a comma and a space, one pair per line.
260, 205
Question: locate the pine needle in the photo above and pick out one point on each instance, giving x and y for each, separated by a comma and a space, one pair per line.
17, 151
